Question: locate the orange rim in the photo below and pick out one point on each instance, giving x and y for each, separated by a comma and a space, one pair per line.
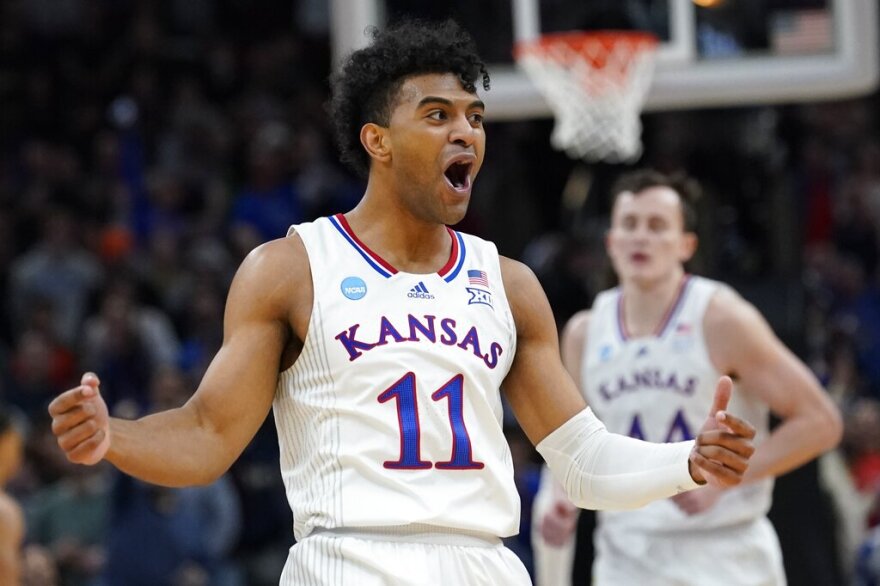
638, 41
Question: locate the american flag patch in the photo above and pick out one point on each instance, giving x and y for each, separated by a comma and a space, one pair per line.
478, 278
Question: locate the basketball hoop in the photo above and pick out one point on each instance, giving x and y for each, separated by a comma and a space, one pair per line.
595, 83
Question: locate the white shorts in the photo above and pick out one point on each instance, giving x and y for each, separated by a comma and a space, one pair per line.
743, 555
357, 558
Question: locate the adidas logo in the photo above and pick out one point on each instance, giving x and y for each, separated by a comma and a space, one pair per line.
419, 292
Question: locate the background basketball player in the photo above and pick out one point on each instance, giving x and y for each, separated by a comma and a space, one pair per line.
647, 356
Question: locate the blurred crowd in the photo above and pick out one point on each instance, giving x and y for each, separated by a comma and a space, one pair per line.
147, 146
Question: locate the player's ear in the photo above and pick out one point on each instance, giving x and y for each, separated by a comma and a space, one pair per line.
375, 141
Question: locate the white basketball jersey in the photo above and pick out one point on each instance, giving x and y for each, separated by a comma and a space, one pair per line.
391, 415
660, 388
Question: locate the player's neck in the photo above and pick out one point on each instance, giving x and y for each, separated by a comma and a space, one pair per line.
647, 303
404, 241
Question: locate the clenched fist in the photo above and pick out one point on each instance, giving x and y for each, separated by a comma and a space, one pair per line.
81, 423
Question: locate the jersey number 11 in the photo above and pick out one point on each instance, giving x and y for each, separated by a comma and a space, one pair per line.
404, 391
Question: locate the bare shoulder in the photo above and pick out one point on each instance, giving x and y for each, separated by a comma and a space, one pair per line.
736, 332
575, 331
277, 262
526, 297
574, 340
728, 310
517, 276
278, 274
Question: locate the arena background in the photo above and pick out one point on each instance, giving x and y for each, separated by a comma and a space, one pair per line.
147, 146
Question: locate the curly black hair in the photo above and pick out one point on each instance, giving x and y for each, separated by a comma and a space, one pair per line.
687, 188
366, 87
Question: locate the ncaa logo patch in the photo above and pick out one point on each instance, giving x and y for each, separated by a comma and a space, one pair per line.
354, 288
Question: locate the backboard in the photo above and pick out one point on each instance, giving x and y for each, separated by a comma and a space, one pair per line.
713, 52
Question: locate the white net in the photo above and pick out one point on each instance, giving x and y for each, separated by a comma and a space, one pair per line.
596, 84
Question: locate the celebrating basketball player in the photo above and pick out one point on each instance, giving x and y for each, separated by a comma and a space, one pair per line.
647, 356
382, 337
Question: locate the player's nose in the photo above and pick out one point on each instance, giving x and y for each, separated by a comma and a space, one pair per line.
462, 132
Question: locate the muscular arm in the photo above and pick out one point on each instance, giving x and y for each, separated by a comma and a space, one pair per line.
742, 344
197, 442
541, 393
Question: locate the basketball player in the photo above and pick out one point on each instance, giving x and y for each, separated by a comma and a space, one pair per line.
11, 517
381, 338
647, 356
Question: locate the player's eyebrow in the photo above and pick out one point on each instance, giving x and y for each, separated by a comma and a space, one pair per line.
447, 102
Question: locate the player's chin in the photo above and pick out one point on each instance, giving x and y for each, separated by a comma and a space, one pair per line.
455, 213
642, 273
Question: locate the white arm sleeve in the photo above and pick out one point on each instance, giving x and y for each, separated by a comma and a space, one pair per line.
603, 470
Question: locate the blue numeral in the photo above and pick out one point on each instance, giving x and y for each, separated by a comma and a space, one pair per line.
679, 430
462, 458
635, 429
404, 391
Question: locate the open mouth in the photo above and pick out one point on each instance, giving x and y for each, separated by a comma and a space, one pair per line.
458, 174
